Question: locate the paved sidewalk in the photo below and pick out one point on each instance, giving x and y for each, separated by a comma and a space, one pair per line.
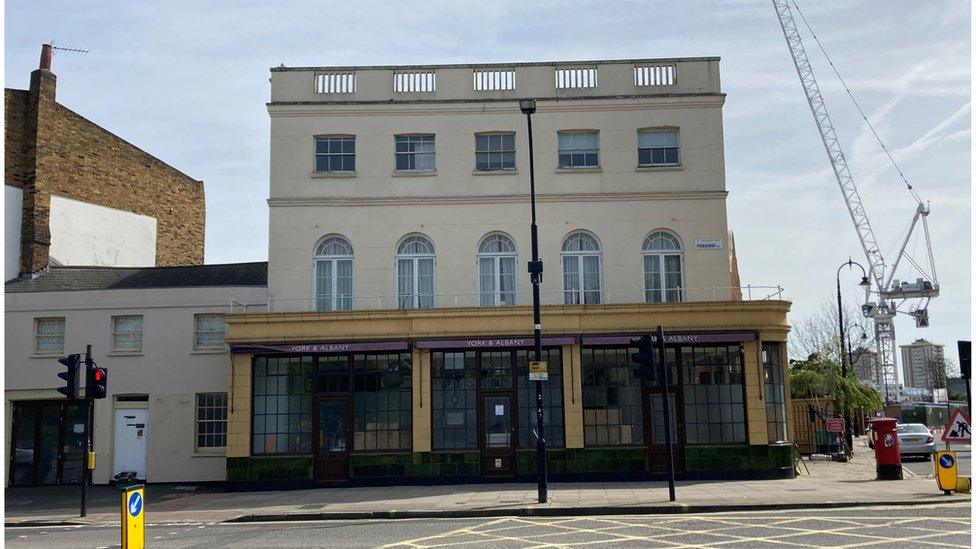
829, 484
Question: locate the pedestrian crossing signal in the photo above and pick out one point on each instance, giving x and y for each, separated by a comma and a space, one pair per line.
98, 383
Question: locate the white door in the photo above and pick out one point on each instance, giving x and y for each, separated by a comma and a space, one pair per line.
131, 434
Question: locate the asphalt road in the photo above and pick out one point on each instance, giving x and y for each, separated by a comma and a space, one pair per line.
941, 525
925, 468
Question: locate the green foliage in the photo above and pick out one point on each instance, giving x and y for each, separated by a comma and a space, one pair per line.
820, 377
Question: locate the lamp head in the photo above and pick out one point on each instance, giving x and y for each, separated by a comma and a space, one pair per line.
865, 283
527, 106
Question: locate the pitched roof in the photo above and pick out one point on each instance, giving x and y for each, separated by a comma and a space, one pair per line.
74, 279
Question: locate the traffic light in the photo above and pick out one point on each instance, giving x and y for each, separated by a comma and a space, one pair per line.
70, 376
965, 358
644, 357
98, 383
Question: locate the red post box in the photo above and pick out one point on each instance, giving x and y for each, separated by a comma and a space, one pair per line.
887, 455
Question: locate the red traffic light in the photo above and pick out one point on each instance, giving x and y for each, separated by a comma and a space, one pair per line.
98, 383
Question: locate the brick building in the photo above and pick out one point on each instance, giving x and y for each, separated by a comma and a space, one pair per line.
60, 167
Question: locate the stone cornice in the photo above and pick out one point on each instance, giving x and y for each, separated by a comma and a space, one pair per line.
767, 316
496, 106
483, 199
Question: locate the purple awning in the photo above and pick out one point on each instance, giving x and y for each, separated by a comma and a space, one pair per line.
700, 337
323, 347
482, 343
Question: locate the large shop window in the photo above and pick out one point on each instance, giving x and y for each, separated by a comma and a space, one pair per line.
454, 404
772, 358
552, 399
612, 402
382, 412
282, 405
713, 394
48, 443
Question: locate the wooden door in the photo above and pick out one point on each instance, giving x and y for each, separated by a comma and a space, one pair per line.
657, 449
498, 434
332, 439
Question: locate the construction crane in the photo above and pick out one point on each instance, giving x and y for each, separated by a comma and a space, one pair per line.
892, 293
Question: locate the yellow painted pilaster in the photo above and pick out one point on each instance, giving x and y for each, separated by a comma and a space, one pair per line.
421, 400
755, 397
239, 406
573, 395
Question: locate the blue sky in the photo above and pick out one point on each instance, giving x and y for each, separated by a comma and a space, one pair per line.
188, 82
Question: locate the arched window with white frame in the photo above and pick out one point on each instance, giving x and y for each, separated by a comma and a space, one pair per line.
415, 272
581, 269
496, 271
333, 274
663, 268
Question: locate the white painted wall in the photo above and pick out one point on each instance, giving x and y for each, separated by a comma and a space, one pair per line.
91, 235
169, 370
13, 202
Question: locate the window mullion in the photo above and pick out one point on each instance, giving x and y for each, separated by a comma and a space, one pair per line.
581, 279
416, 282
335, 281
498, 281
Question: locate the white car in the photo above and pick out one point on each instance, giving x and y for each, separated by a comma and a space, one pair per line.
914, 439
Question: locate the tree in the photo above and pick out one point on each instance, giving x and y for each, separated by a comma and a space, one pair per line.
820, 377
817, 333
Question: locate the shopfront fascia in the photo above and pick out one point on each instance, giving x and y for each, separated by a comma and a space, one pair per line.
442, 405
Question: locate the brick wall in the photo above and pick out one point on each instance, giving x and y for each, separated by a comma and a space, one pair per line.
16, 166
51, 150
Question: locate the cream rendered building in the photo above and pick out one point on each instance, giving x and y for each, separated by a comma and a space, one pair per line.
399, 324
456, 205
160, 333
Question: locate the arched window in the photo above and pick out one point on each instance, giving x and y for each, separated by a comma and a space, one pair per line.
415, 272
581, 269
333, 274
496, 271
662, 268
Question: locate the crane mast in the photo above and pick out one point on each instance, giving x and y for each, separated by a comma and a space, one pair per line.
890, 291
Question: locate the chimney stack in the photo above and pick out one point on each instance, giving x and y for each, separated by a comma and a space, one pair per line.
46, 53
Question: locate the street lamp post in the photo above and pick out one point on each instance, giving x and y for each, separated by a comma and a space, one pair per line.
866, 285
527, 106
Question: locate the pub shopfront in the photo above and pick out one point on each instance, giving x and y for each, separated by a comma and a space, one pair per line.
425, 410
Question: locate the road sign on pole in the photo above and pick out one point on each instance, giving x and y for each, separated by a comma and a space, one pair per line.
958, 429
835, 425
538, 371
134, 517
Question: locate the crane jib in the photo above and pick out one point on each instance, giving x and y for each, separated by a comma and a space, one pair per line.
891, 292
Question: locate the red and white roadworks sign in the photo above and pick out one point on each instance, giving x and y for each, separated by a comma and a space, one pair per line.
959, 429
